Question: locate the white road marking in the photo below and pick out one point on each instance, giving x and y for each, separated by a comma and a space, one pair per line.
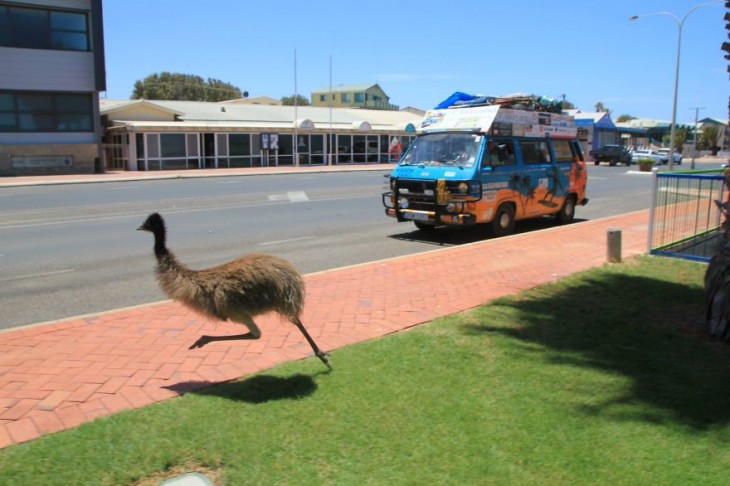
36, 275
292, 196
297, 196
278, 242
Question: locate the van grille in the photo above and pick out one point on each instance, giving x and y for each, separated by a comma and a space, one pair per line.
421, 194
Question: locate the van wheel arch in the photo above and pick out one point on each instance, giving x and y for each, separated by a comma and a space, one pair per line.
503, 223
566, 214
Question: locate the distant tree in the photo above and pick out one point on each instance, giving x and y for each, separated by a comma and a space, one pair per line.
300, 100
183, 87
680, 137
708, 139
567, 105
625, 118
600, 107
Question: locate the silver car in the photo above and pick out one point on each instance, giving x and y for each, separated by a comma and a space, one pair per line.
637, 155
665, 153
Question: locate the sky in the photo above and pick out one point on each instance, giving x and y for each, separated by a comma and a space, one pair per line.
421, 51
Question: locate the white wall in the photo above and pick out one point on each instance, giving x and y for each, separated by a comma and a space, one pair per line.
46, 70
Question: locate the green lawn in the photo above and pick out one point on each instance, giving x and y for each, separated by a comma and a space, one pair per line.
602, 378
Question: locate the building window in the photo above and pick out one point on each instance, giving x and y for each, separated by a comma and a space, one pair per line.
37, 28
239, 143
359, 97
345, 97
172, 145
322, 97
33, 111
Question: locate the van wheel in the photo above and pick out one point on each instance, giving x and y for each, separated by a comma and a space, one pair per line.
504, 222
567, 212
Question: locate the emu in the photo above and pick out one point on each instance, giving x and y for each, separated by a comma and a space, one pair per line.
237, 290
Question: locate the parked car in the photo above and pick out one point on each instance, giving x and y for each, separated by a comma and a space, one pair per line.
647, 154
665, 154
613, 154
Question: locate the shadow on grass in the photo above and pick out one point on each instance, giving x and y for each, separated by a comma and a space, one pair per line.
257, 389
649, 331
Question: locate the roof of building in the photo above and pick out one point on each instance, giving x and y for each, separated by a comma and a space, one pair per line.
239, 115
712, 121
258, 100
346, 88
600, 119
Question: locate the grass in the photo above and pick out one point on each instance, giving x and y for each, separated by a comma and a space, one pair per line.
602, 378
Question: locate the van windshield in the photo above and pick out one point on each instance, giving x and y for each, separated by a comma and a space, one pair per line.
451, 149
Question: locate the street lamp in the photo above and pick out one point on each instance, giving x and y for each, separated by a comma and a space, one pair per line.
680, 23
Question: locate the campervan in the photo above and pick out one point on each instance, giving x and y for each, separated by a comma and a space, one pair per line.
488, 165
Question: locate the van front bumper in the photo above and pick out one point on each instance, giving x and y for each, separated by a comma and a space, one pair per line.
429, 217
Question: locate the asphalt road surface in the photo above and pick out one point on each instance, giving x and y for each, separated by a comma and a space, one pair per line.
69, 250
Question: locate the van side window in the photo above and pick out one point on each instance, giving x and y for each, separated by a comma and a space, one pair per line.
499, 152
535, 152
562, 151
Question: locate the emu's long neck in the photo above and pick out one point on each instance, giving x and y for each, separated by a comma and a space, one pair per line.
179, 282
161, 250
174, 277
166, 261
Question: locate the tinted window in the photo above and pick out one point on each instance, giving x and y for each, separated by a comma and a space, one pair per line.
535, 152
172, 145
43, 29
240, 144
45, 112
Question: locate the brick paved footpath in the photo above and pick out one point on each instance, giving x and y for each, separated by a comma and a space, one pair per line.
55, 376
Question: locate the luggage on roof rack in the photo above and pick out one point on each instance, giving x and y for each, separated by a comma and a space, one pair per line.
517, 101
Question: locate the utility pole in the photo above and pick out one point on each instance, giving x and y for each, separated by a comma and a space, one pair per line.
694, 147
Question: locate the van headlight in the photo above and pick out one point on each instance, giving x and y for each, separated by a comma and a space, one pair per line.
403, 203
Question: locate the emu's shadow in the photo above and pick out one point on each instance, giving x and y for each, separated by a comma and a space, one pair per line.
257, 389
625, 328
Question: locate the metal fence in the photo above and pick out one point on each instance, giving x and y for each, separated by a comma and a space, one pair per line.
684, 220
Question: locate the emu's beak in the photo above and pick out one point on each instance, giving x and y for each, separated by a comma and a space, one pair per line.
141, 228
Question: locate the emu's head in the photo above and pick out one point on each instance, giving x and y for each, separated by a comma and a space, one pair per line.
154, 224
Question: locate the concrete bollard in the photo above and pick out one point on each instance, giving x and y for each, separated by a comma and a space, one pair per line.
614, 245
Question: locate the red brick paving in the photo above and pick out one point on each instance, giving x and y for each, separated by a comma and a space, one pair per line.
56, 376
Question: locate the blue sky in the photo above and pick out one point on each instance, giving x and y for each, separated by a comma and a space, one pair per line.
421, 51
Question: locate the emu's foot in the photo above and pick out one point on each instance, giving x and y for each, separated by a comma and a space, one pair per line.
325, 358
202, 341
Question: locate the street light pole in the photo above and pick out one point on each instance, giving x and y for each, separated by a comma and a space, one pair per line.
680, 24
694, 146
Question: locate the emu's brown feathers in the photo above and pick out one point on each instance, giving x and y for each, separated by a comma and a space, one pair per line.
237, 290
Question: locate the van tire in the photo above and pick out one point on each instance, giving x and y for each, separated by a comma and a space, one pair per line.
503, 223
566, 214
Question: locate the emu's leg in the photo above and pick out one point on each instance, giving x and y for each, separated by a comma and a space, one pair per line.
253, 332
317, 352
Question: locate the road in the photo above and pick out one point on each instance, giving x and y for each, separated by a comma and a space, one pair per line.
73, 249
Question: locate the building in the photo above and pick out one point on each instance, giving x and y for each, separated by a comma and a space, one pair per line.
723, 132
595, 129
370, 96
53, 68
166, 135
